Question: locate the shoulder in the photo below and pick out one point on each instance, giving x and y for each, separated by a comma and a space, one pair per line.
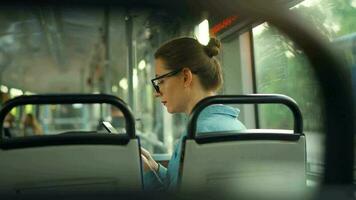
219, 111
219, 118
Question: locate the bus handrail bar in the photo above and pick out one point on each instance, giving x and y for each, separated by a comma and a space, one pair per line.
245, 99
71, 99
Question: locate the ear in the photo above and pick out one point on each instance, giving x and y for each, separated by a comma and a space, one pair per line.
187, 77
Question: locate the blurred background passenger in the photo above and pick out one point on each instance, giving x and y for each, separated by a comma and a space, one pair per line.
31, 126
117, 118
10, 129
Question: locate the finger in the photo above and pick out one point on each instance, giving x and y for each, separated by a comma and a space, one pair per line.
145, 153
145, 163
144, 159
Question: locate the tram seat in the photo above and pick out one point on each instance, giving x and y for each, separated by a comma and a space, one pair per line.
66, 164
257, 162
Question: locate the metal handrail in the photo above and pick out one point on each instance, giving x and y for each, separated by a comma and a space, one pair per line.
71, 99
246, 99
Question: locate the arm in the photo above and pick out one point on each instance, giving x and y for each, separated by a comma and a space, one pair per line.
154, 177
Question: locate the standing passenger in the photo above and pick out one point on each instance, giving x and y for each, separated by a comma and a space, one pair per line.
187, 72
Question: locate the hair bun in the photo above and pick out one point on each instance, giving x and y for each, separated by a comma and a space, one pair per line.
213, 47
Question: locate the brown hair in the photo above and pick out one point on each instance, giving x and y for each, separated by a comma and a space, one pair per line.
188, 52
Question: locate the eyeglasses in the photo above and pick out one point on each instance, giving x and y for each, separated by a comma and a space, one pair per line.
156, 81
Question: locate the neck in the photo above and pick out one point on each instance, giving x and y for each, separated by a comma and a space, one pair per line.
196, 98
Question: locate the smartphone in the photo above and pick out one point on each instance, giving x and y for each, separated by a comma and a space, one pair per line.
109, 127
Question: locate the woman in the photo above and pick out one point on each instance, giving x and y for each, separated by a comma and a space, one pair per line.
31, 126
187, 72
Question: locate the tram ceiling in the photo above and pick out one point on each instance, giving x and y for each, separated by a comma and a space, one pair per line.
51, 43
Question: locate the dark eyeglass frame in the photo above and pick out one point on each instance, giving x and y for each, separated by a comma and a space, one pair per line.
169, 74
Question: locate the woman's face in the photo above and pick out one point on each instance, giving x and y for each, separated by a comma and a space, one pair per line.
171, 89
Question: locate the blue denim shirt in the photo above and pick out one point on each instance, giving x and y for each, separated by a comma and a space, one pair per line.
212, 118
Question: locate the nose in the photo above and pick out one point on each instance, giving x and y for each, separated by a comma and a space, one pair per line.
157, 94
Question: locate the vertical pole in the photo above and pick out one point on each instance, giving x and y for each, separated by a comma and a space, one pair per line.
129, 30
254, 76
106, 39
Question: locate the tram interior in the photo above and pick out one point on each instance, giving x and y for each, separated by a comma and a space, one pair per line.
60, 49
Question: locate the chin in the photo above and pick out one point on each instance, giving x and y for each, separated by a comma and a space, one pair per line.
170, 111
173, 111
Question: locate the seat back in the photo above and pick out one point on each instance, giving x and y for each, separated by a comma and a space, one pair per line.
249, 162
73, 162
70, 168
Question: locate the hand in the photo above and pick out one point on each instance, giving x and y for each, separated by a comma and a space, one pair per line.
148, 162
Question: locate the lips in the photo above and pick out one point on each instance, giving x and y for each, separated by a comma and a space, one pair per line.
164, 102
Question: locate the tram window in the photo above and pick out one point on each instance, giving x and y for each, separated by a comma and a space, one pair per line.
54, 49
282, 68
